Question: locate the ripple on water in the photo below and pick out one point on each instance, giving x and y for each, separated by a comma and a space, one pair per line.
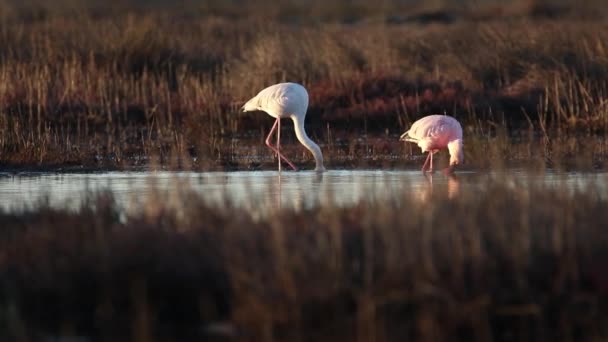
260, 190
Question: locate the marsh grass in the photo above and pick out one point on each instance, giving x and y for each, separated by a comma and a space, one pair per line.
128, 85
123, 85
502, 261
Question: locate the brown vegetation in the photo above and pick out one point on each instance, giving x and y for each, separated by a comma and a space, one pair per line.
498, 262
118, 86
122, 84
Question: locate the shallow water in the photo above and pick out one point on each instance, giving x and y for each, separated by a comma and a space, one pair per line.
263, 190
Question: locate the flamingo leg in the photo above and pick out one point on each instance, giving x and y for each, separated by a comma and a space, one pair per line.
274, 149
426, 162
431, 155
279, 141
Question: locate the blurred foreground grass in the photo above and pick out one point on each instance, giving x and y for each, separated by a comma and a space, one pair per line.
503, 261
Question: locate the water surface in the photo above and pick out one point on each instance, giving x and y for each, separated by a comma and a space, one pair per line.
260, 189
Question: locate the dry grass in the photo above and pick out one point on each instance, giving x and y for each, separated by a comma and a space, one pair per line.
121, 86
499, 262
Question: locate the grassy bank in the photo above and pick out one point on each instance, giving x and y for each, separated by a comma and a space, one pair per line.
117, 86
496, 263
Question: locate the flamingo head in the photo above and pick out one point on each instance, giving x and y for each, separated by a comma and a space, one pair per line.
456, 152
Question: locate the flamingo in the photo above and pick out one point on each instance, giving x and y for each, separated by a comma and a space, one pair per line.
435, 132
286, 100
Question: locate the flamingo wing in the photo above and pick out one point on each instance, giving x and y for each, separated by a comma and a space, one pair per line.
280, 99
433, 131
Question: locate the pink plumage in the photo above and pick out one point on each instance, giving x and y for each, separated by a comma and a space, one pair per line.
435, 132
286, 100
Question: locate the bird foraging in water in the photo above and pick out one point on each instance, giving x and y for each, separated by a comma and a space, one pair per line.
435, 132
286, 100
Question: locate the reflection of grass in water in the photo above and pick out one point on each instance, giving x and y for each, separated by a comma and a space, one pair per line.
503, 262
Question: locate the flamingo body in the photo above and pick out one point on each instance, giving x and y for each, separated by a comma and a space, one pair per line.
286, 100
435, 132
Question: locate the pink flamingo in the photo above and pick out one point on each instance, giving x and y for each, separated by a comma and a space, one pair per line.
286, 100
435, 132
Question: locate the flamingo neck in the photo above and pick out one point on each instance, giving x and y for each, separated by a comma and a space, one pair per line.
298, 123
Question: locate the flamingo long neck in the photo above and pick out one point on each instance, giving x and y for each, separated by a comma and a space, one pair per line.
309, 144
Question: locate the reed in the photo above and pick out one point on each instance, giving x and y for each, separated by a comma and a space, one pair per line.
501, 261
104, 86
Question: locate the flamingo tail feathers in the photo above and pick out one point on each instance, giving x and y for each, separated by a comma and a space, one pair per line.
406, 137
